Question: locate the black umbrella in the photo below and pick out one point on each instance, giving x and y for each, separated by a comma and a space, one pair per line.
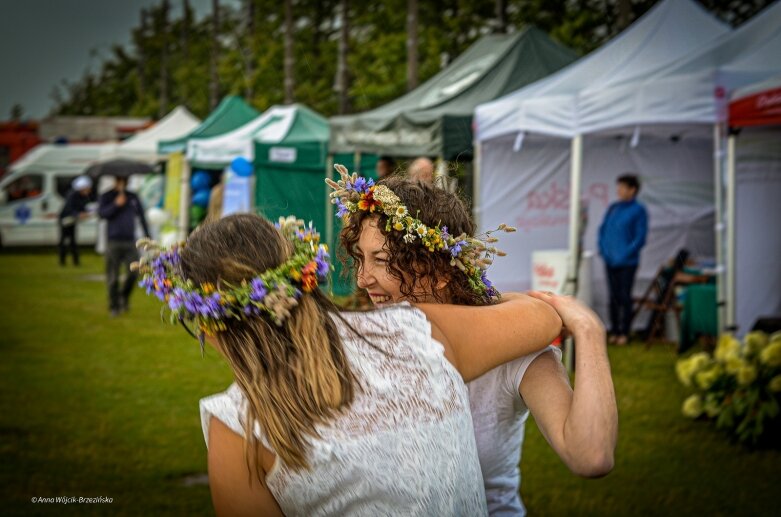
119, 168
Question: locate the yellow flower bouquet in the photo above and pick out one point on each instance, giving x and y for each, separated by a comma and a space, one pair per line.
738, 387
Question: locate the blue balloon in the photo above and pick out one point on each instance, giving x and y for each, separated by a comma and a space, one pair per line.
201, 197
201, 180
242, 167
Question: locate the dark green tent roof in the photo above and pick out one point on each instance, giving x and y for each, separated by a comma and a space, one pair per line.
231, 113
435, 119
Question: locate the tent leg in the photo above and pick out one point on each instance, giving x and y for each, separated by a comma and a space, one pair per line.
730, 283
718, 192
570, 287
476, 203
576, 166
329, 217
184, 201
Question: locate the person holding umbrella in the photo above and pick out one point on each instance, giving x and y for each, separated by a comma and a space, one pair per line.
120, 207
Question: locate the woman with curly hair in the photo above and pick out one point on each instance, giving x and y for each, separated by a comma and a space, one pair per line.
580, 424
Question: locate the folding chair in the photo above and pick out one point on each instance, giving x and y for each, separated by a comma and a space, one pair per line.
660, 298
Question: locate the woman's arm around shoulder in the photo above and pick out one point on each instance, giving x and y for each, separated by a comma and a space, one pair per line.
478, 339
234, 491
581, 425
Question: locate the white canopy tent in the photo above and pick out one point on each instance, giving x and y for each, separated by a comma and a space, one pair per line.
753, 190
219, 151
534, 143
143, 145
696, 90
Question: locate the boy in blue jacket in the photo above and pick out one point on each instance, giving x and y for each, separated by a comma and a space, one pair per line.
621, 237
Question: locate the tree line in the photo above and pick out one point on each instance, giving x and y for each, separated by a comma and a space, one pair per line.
336, 56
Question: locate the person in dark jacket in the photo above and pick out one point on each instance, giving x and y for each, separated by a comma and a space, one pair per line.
75, 208
621, 237
120, 207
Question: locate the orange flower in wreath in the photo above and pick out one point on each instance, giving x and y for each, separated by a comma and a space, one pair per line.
367, 202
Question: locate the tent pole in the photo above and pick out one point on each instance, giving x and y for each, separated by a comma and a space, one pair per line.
184, 201
329, 217
576, 166
571, 285
731, 185
440, 173
476, 204
718, 157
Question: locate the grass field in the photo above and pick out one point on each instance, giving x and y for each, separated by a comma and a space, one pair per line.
91, 406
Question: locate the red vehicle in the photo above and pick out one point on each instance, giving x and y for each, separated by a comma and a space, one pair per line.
16, 138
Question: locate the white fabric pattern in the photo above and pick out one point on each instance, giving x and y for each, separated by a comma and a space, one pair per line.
404, 447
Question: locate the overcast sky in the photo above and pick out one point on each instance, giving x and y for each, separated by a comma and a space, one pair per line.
45, 41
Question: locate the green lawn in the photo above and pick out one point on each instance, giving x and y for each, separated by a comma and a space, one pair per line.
91, 406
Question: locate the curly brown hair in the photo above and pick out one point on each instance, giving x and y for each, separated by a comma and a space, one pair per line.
411, 263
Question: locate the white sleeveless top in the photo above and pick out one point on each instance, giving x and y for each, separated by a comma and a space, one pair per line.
499, 415
405, 446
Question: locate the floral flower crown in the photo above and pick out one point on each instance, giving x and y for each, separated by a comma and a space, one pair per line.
274, 292
472, 255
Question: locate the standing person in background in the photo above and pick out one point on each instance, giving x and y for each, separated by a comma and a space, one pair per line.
385, 167
75, 208
120, 207
422, 169
621, 237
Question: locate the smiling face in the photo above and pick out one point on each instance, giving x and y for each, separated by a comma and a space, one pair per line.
374, 274
391, 269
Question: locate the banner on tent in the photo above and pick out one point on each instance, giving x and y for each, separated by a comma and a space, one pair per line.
237, 196
530, 190
173, 175
283, 154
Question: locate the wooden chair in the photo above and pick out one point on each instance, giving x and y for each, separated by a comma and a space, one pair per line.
660, 298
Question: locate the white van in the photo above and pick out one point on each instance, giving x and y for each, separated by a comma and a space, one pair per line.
33, 192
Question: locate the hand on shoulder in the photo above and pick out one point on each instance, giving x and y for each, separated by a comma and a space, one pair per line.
577, 317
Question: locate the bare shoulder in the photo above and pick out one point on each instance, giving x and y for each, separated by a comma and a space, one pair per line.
234, 490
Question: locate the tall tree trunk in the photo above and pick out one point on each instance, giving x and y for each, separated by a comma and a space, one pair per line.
141, 63
412, 44
185, 35
501, 16
289, 62
624, 14
342, 72
214, 81
249, 52
162, 108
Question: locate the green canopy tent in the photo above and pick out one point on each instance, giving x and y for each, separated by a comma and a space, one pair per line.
232, 112
290, 171
435, 119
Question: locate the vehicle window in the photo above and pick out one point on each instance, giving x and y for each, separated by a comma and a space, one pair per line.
30, 185
63, 184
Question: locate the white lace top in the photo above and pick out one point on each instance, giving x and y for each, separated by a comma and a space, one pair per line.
404, 447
